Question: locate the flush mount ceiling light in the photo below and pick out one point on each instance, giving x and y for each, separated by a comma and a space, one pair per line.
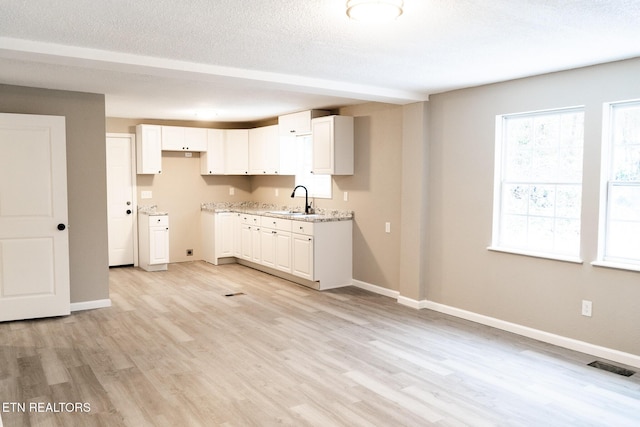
374, 10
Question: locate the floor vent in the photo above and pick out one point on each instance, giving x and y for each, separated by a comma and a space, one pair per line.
234, 294
612, 368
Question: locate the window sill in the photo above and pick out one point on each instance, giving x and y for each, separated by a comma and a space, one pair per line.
563, 258
616, 265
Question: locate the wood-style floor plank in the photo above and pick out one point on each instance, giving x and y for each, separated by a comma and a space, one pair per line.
173, 350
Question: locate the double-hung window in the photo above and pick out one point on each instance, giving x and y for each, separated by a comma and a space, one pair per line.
538, 183
620, 207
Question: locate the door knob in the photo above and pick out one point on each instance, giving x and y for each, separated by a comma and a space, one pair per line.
61, 227
128, 211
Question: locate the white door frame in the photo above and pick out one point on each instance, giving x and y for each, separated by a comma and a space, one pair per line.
134, 201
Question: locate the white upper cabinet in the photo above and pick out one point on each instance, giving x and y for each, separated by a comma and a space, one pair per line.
236, 151
212, 160
264, 151
177, 138
332, 138
148, 149
298, 123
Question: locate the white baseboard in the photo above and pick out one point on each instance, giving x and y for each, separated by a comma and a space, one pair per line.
90, 305
536, 334
375, 289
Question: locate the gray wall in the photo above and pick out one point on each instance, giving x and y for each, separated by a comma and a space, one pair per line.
539, 293
86, 179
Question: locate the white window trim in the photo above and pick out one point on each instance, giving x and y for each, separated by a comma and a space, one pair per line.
497, 191
605, 169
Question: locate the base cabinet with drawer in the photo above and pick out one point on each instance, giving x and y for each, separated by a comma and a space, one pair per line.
153, 242
315, 254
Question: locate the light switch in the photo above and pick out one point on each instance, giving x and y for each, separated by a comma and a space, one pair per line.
277, 192
387, 227
346, 196
232, 191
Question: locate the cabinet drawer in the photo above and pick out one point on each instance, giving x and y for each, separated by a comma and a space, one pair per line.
158, 220
302, 227
279, 224
249, 219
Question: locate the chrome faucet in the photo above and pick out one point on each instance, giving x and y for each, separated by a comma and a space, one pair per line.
306, 198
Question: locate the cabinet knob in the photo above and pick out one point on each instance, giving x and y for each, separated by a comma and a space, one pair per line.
61, 227
128, 211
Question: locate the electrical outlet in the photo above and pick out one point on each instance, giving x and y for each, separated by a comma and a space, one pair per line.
346, 196
189, 252
387, 227
232, 191
277, 192
586, 308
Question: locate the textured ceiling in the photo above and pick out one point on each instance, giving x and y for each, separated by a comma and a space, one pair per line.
255, 59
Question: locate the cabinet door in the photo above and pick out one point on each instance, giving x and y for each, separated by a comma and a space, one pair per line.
195, 139
271, 150
323, 146
333, 145
257, 151
148, 149
225, 222
295, 123
256, 248
158, 245
302, 249
236, 151
246, 247
283, 251
237, 235
264, 151
172, 138
212, 160
268, 247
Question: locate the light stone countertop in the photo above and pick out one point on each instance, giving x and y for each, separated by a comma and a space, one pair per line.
278, 211
150, 210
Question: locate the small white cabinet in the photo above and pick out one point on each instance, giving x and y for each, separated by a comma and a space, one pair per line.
302, 250
153, 242
177, 138
332, 138
218, 234
295, 124
212, 160
148, 149
264, 150
276, 243
236, 151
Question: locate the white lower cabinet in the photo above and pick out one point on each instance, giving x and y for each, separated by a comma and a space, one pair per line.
153, 242
275, 242
318, 253
302, 251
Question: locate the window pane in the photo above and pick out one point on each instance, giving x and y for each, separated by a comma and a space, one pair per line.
623, 189
541, 182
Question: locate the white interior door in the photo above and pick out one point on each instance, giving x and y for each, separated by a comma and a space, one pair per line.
34, 241
120, 198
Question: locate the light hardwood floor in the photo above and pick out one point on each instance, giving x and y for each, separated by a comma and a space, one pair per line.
175, 351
